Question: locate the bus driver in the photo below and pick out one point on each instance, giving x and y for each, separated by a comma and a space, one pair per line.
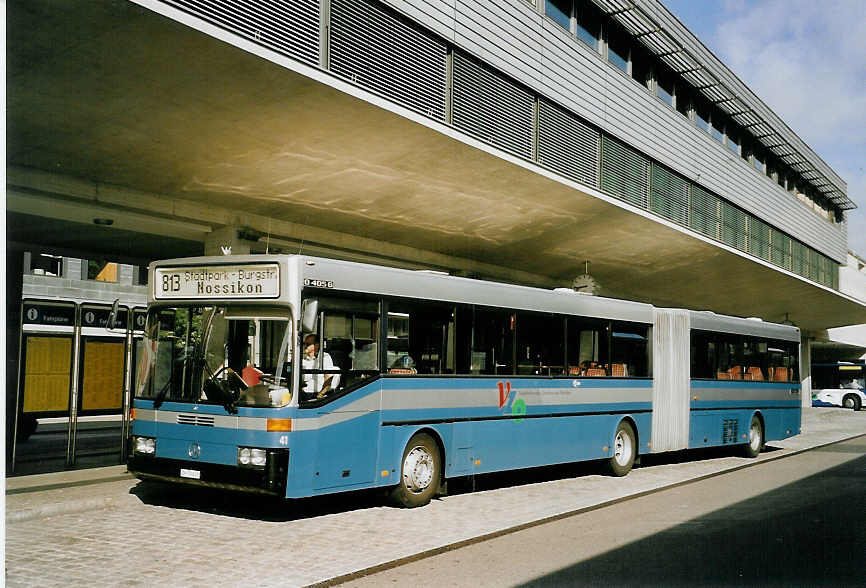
317, 385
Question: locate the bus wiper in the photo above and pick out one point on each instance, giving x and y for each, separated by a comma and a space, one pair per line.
160, 397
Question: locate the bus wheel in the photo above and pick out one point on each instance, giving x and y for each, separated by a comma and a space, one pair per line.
851, 401
624, 447
756, 438
419, 473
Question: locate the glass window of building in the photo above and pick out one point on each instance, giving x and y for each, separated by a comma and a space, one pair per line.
758, 161
664, 85
641, 64
618, 48
717, 126
587, 23
732, 140
702, 116
683, 98
559, 11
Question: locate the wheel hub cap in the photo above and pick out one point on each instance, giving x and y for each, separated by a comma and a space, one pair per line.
418, 469
622, 448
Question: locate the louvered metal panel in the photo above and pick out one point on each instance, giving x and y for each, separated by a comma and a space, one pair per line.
492, 107
669, 195
289, 27
384, 52
759, 238
624, 172
567, 145
780, 249
799, 259
733, 226
705, 211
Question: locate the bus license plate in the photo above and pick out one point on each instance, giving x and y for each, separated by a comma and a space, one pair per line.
194, 474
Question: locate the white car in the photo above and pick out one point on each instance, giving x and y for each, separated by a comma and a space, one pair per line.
844, 397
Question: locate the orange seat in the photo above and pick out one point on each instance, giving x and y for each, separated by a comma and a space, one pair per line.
756, 373
736, 372
595, 372
618, 370
403, 371
723, 376
573, 370
780, 374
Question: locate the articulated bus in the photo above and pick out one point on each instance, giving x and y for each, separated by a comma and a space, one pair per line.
299, 376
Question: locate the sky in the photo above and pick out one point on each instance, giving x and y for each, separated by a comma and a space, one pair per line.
806, 59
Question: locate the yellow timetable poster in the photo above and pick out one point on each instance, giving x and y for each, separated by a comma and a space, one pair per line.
102, 384
46, 373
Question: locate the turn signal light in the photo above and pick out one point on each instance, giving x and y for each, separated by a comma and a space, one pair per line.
279, 425
131, 414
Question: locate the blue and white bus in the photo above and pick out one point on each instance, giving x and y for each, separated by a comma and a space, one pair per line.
299, 376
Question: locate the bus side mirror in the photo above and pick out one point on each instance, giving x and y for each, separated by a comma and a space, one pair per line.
112, 316
309, 314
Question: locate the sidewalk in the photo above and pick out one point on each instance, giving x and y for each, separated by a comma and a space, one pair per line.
326, 538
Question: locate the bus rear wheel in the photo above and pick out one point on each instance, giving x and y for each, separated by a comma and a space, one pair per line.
624, 449
419, 472
756, 438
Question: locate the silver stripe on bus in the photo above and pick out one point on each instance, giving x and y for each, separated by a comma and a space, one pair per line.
750, 393
219, 421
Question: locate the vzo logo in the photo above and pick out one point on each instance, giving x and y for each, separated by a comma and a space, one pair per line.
508, 399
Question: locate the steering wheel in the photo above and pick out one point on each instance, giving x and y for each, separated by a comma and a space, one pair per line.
236, 384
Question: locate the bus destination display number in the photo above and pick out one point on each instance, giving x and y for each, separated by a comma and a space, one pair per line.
225, 281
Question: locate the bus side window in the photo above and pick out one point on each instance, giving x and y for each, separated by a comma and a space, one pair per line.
420, 338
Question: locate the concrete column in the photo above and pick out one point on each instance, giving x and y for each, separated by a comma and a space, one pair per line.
14, 283
125, 274
74, 269
805, 370
226, 237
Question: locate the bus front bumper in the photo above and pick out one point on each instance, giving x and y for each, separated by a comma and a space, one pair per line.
270, 479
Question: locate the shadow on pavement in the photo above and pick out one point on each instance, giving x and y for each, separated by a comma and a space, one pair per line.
265, 508
811, 532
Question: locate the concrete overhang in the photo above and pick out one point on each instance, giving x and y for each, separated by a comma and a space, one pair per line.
113, 109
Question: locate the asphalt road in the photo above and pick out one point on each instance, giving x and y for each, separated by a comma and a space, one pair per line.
795, 521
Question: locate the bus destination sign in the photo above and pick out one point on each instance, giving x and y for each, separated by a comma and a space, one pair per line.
218, 281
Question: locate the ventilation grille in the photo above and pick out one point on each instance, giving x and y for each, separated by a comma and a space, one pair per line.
669, 195
567, 145
383, 52
201, 420
289, 27
489, 106
624, 172
730, 430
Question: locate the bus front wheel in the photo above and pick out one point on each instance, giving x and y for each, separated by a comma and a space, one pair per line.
851, 401
756, 438
419, 473
624, 449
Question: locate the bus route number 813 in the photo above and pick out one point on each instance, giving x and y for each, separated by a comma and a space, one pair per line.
171, 283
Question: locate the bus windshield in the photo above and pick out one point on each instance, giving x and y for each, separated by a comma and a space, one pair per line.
228, 355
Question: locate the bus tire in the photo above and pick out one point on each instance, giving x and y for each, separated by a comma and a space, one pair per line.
420, 471
756, 438
624, 450
852, 401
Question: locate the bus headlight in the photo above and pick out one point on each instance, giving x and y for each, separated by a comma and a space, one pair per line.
144, 445
252, 457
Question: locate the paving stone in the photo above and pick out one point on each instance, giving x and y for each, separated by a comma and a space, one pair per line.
110, 534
